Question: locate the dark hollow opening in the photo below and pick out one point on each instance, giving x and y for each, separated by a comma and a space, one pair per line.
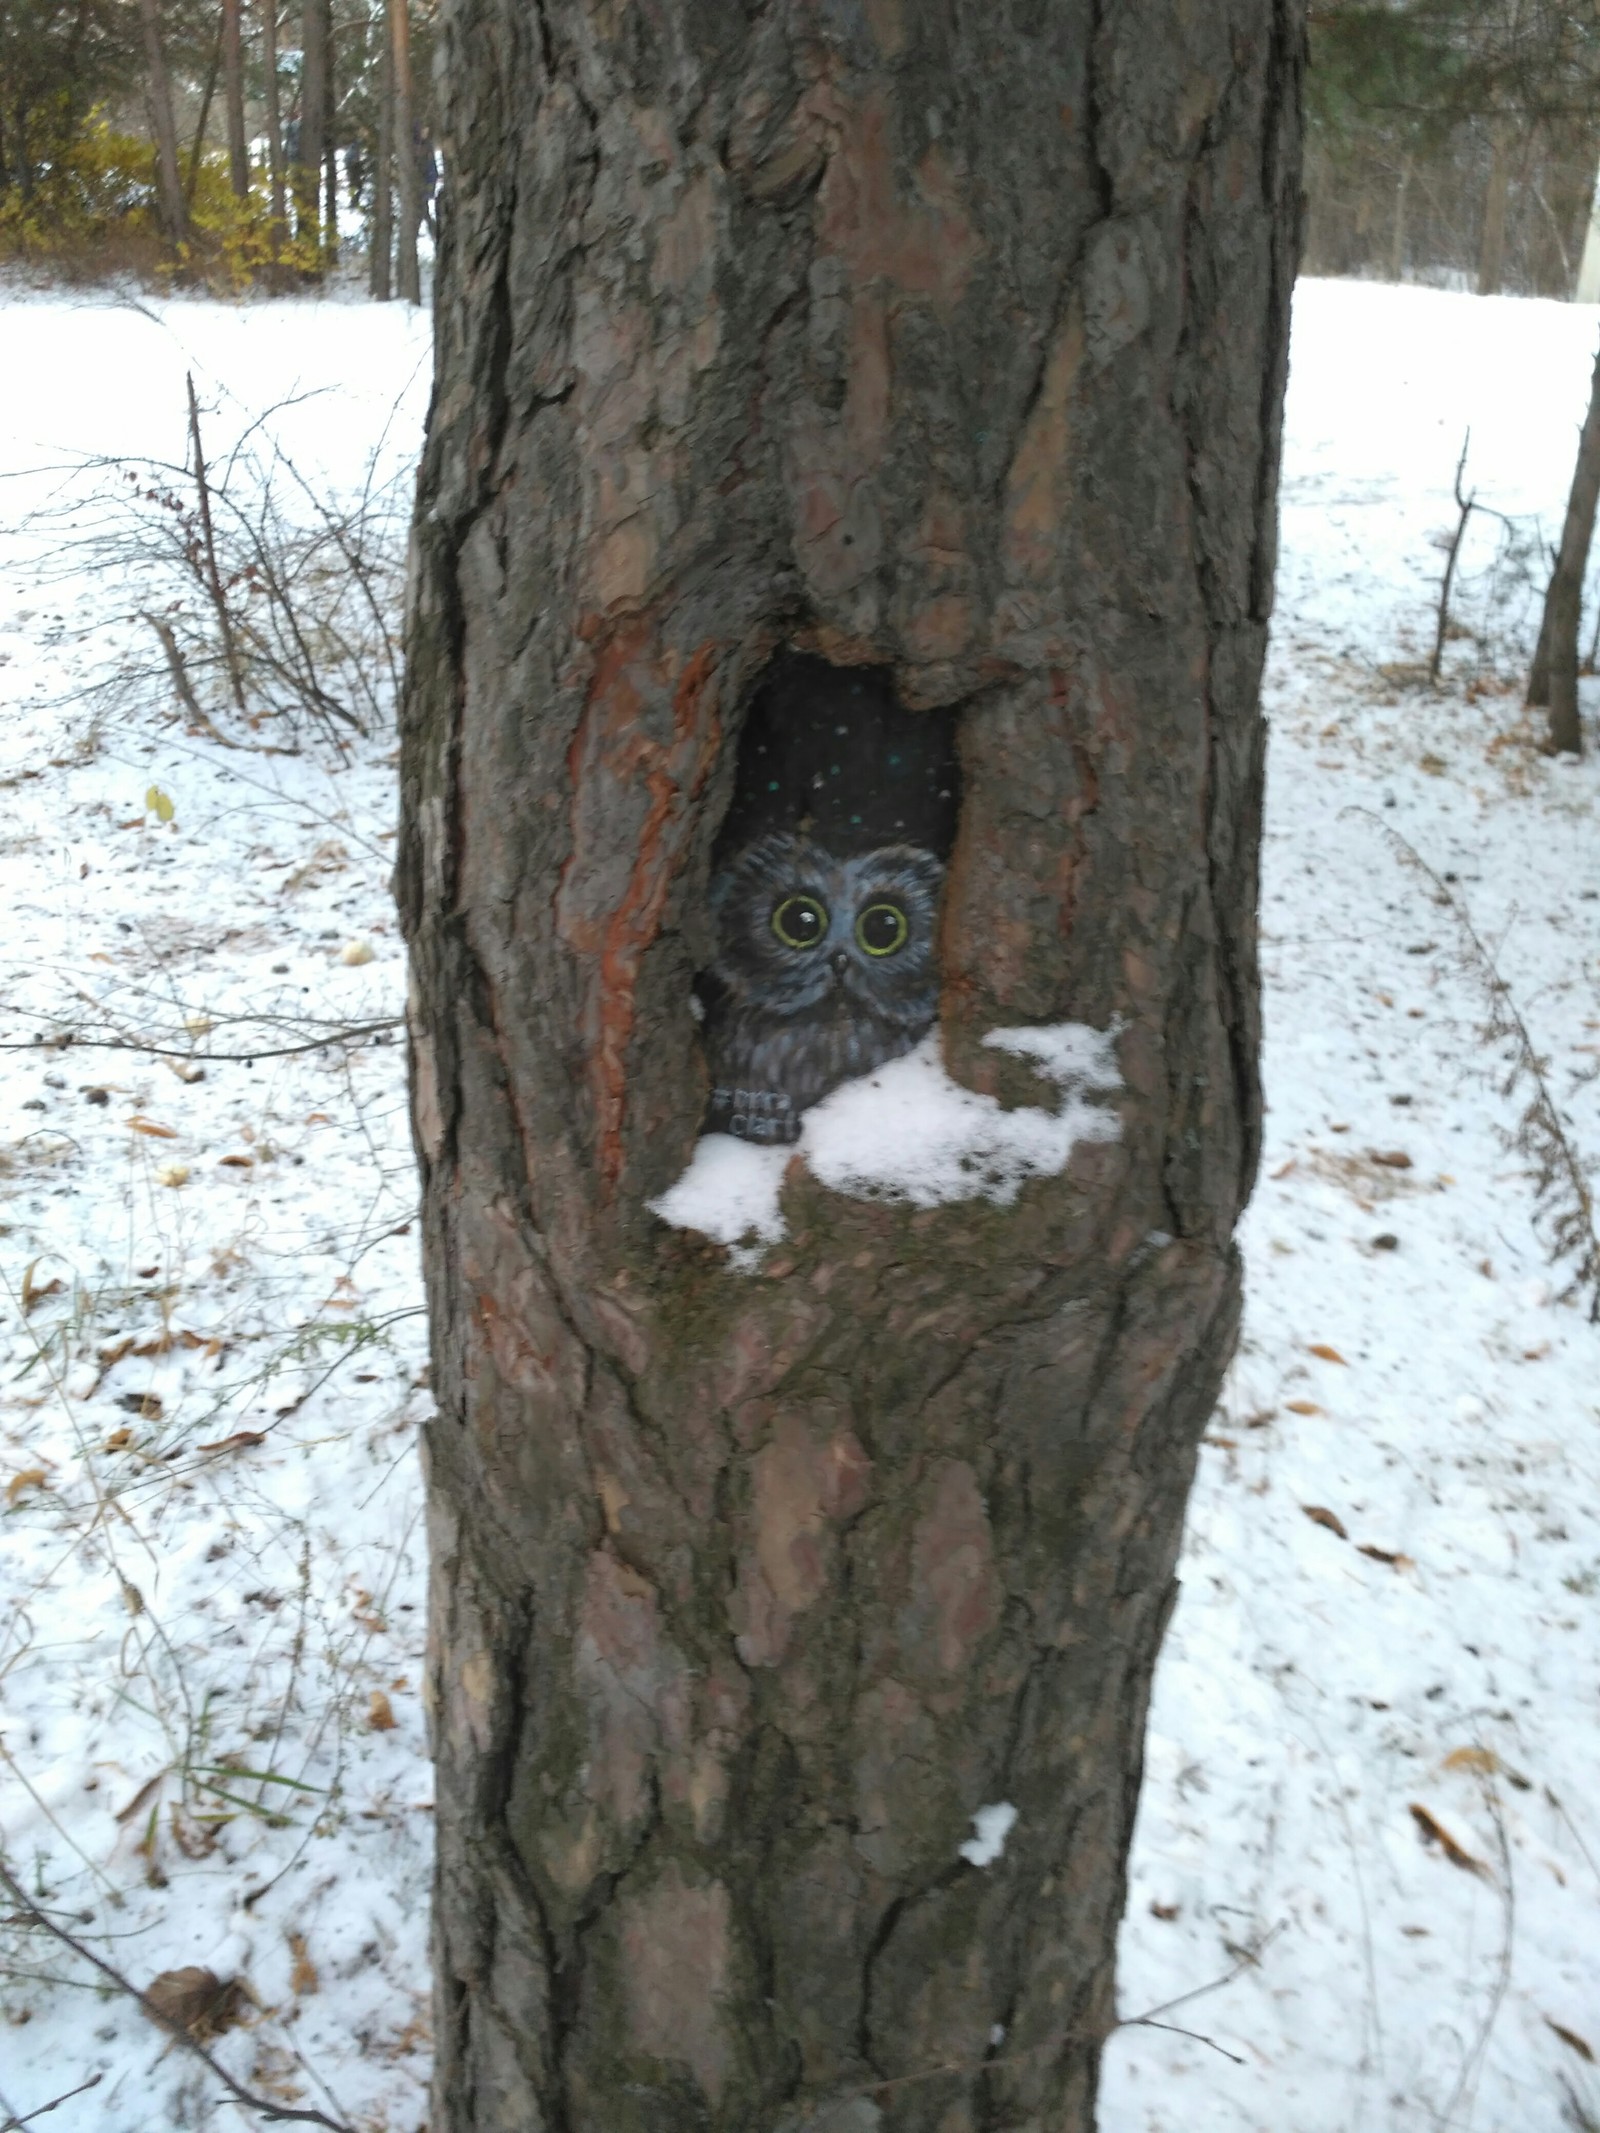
825, 892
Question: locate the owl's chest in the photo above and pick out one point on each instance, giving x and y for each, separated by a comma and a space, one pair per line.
804, 1056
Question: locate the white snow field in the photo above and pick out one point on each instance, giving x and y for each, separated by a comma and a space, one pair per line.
1370, 1802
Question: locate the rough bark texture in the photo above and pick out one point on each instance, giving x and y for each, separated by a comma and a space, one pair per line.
1554, 678
951, 337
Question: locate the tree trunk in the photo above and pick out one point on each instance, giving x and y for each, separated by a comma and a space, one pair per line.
1492, 247
1587, 287
233, 93
951, 356
169, 183
198, 145
1554, 679
1397, 233
407, 274
269, 62
330, 201
314, 41
380, 262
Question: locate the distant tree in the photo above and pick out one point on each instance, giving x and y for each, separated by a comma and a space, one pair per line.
1553, 681
315, 40
174, 201
233, 96
404, 134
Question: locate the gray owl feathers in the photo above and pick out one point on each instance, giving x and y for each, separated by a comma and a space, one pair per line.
824, 969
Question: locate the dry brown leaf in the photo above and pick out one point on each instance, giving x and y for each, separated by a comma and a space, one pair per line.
303, 1977
1284, 1169
141, 1798
1390, 1158
380, 1713
240, 1441
1328, 1355
1572, 2040
31, 1477
1319, 1516
119, 1440
32, 1295
1385, 1555
193, 2000
1302, 1407
149, 1126
1483, 1760
1434, 1832
238, 1162
146, 1405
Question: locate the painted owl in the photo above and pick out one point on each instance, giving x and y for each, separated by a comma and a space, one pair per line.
824, 969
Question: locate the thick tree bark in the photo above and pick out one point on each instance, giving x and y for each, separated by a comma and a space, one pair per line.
315, 39
408, 280
233, 93
949, 338
1554, 679
169, 182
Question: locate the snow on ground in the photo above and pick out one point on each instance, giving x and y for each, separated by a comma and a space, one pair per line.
1391, 1579
1375, 1727
211, 1747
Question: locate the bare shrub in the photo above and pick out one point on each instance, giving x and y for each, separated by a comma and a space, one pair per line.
273, 607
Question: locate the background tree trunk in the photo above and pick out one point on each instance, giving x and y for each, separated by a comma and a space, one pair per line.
174, 208
1554, 679
380, 260
408, 278
314, 43
1492, 249
952, 339
269, 62
233, 93
197, 146
1397, 233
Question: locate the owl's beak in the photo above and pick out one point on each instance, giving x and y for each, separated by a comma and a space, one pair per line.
840, 960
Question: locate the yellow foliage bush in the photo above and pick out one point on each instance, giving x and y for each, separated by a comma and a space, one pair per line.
95, 209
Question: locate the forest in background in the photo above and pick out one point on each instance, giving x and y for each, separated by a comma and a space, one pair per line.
225, 145
1454, 142
231, 143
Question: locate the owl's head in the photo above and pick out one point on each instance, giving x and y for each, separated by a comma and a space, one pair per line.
799, 931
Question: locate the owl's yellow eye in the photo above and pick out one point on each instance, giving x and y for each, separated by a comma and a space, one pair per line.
882, 929
800, 922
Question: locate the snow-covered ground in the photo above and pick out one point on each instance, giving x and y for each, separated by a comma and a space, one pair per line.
1370, 1779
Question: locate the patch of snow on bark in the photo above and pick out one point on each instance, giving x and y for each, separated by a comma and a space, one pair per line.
992, 1825
906, 1133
